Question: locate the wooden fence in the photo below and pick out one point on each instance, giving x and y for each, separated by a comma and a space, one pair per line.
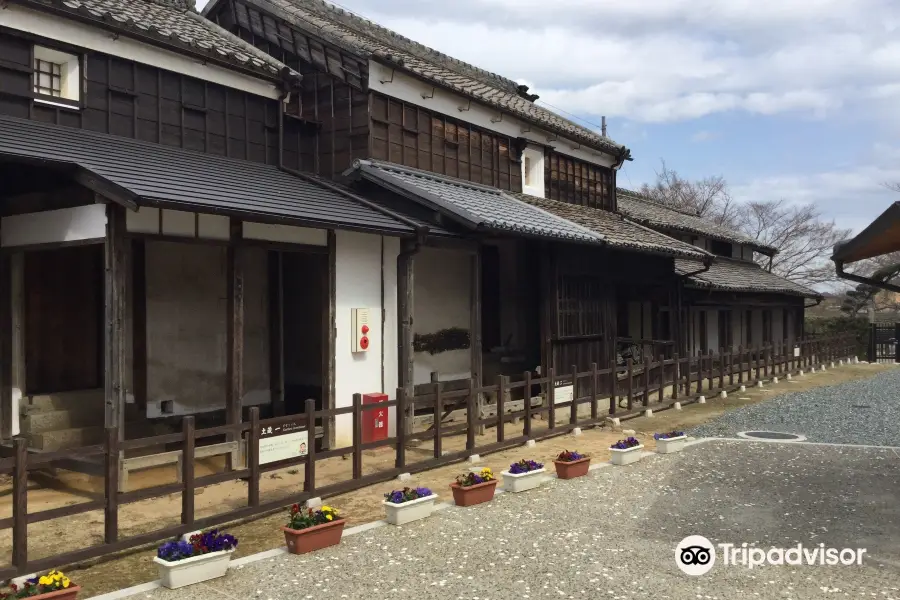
654, 385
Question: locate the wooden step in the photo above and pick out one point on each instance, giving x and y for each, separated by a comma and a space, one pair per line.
55, 420
84, 400
62, 439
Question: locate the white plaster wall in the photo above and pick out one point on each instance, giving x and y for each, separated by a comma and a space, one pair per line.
357, 285
186, 327
71, 32
64, 225
534, 184
442, 298
409, 89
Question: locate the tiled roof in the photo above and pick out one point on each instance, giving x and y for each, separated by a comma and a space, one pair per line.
653, 214
156, 175
617, 231
370, 40
474, 205
171, 22
728, 274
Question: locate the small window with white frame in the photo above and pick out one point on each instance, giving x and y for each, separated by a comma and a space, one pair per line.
57, 77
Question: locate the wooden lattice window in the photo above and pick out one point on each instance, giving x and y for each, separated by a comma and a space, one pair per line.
47, 78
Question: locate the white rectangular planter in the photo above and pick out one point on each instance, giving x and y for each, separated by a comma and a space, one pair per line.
671, 445
521, 482
407, 512
194, 569
627, 456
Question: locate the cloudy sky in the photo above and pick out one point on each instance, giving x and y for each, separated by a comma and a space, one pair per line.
784, 98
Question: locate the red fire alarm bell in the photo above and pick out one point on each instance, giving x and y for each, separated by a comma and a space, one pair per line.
360, 325
375, 421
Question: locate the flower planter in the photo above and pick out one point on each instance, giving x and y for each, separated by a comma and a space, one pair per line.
193, 570
409, 511
473, 494
521, 482
670, 445
301, 541
626, 456
67, 594
572, 469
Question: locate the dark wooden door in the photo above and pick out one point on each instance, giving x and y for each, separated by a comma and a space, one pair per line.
64, 319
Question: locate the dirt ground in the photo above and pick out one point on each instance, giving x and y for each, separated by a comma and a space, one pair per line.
361, 506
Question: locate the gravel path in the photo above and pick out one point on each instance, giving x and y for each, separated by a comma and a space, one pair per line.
865, 411
612, 535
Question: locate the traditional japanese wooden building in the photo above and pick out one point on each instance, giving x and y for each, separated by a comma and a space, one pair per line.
734, 302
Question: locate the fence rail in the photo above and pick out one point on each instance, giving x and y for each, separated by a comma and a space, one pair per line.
612, 391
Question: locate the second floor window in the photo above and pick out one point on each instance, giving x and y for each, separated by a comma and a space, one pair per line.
57, 75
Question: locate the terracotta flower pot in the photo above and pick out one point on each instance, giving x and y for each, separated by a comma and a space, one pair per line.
473, 494
301, 541
573, 469
68, 593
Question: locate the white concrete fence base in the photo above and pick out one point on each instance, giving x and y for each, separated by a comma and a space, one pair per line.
759, 384
404, 477
648, 413
314, 503
701, 400
530, 444
576, 431
723, 394
474, 459
774, 380
788, 377
743, 388
677, 406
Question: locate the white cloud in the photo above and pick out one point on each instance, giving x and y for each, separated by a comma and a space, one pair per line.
704, 135
853, 196
669, 60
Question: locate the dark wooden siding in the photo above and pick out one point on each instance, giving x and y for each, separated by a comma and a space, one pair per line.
408, 135
575, 181
328, 123
132, 100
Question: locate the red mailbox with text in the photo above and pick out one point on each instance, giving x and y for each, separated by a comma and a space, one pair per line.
375, 421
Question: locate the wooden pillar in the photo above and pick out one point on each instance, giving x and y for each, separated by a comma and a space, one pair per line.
330, 329
475, 332
6, 348
276, 333
117, 251
406, 302
234, 271
139, 323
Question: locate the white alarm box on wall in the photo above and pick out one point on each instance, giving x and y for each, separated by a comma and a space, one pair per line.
362, 330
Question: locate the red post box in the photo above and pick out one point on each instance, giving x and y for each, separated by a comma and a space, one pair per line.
375, 421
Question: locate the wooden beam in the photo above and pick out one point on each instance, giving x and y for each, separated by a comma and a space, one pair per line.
6, 347
330, 338
276, 331
234, 271
116, 254
405, 300
475, 331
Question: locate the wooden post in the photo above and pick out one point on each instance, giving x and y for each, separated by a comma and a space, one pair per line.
661, 378
111, 478
501, 401
438, 420
645, 400
526, 430
253, 458
329, 327
234, 272
276, 331
406, 301
573, 408
712, 370
740, 365
630, 384
595, 413
731, 366
551, 398
758, 369
187, 471
309, 485
471, 416
357, 435
475, 331
613, 386
20, 504
687, 375
722, 368
6, 348
116, 250
676, 375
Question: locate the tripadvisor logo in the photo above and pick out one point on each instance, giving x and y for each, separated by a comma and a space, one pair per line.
696, 555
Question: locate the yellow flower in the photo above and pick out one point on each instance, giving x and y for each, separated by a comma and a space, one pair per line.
65, 582
328, 517
45, 580
326, 509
